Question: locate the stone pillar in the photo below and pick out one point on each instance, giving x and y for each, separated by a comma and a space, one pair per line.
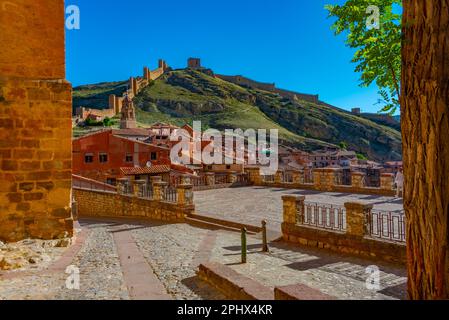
356, 218
293, 208
35, 122
357, 179
279, 177
298, 177
232, 177
139, 188
159, 190
185, 195
254, 176
386, 181
318, 179
210, 179
121, 185
186, 179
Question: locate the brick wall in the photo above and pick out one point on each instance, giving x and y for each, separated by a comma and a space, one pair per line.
35, 122
91, 203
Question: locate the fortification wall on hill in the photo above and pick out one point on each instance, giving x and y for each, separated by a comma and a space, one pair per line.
271, 87
243, 81
135, 85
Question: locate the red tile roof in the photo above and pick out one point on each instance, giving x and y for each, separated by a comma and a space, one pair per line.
150, 170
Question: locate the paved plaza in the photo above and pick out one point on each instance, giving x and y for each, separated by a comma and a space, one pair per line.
121, 260
250, 205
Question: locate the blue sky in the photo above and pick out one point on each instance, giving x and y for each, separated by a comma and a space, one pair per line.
288, 42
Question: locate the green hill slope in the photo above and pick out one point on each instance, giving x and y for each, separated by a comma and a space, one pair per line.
181, 96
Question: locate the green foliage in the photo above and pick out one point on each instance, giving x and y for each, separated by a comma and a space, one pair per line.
107, 122
361, 156
343, 145
92, 123
378, 55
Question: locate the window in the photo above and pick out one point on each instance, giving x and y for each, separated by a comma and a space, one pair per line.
228, 167
153, 155
129, 158
89, 158
103, 157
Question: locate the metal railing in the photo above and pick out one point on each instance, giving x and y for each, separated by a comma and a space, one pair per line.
308, 176
93, 185
199, 181
170, 195
221, 179
386, 225
288, 177
148, 192
243, 178
323, 216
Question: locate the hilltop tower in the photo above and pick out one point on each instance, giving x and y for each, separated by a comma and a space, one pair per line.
194, 63
128, 120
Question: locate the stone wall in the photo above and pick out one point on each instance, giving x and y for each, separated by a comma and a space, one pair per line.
35, 122
94, 203
353, 241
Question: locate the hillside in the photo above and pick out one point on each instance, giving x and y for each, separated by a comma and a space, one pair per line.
181, 96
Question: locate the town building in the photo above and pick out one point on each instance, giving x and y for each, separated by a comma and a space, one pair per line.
102, 155
329, 157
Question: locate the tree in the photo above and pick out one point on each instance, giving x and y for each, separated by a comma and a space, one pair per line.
423, 95
343, 145
425, 125
378, 45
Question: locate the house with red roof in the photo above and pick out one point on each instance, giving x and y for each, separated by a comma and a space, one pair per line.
108, 155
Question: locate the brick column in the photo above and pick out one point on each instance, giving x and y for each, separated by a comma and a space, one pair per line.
292, 208
357, 179
356, 218
185, 195
232, 177
386, 181
210, 179
159, 190
139, 188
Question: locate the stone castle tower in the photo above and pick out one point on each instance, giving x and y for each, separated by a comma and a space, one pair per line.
128, 120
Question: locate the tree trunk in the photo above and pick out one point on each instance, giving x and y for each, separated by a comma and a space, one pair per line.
425, 134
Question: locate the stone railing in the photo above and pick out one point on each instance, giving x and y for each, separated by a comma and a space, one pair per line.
350, 229
323, 179
136, 199
211, 180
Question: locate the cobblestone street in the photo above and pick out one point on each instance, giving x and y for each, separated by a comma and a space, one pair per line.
170, 255
251, 205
